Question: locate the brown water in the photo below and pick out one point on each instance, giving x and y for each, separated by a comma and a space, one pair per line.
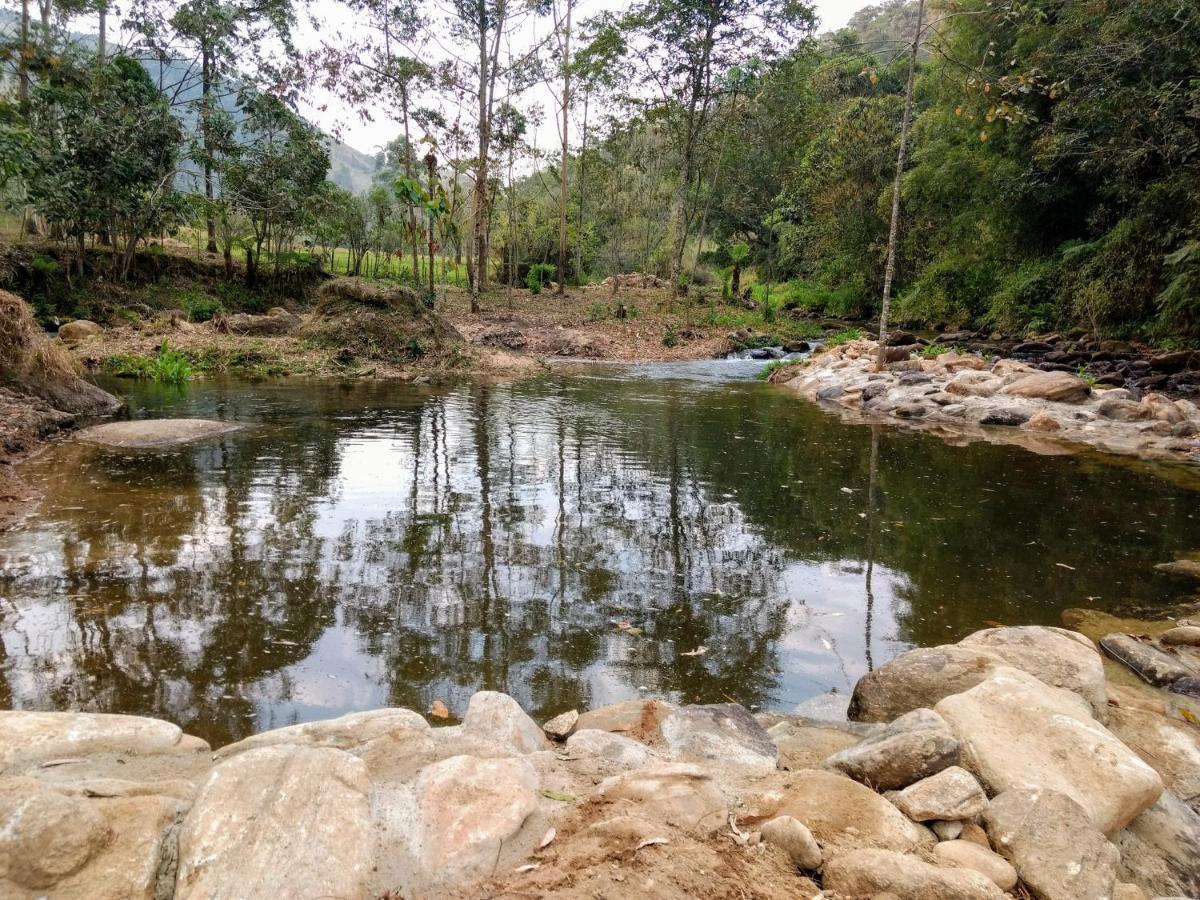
572, 540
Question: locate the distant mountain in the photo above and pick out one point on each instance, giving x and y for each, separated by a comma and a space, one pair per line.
886, 29
349, 168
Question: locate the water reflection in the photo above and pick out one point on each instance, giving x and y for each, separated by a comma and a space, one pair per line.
571, 540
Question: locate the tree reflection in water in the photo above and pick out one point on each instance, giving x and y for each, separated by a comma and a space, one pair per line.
569, 540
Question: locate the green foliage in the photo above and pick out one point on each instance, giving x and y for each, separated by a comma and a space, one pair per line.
540, 274
598, 312
845, 336
670, 336
169, 366
775, 365
933, 351
199, 307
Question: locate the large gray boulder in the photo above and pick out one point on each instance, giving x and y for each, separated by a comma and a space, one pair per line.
348, 732
1156, 665
1160, 849
30, 737
720, 732
1170, 746
151, 434
1019, 733
951, 795
871, 873
1051, 842
915, 746
283, 821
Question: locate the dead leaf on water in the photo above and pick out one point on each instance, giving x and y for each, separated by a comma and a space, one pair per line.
438, 710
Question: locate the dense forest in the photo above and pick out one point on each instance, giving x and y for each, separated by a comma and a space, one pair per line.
1050, 179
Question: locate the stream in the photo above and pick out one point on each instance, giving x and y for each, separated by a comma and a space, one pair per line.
678, 530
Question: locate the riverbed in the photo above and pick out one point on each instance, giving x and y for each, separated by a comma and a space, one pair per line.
678, 530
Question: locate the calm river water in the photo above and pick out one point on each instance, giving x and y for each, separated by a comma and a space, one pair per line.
677, 531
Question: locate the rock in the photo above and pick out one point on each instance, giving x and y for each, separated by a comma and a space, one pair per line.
80, 848
499, 719
916, 745
561, 726
794, 838
1184, 568
873, 873
148, 434
952, 794
1181, 635
1171, 747
73, 332
1123, 891
1160, 848
955, 410
609, 749
806, 746
1017, 733
1154, 665
1043, 422
843, 813
947, 831
898, 353
29, 737
973, 383
910, 411
1059, 387
1175, 361
680, 794
724, 732
1004, 417
468, 809
1122, 410
970, 855
832, 392
640, 719
1052, 844
345, 733
271, 822
899, 338
1032, 348
918, 678
874, 389
1056, 656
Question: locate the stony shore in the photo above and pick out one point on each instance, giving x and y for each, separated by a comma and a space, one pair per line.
964, 395
1002, 766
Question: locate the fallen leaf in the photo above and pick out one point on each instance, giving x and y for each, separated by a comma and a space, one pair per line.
528, 867
1065, 566
438, 710
651, 842
699, 651
546, 841
556, 795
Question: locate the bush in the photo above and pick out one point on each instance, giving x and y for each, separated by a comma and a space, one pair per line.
1026, 297
954, 290
200, 307
540, 274
170, 366
845, 336
670, 337
597, 312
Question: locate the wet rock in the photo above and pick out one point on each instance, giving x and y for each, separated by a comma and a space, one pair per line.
680, 794
807, 746
29, 737
499, 719
562, 726
1171, 747
952, 794
468, 809
843, 813
794, 838
144, 434
876, 873
609, 750
910, 411
269, 823
1043, 422
1154, 664
1018, 732
1160, 848
914, 746
725, 732
1032, 348
1005, 417
1056, 656
970, 855
345, 733
1051, 842
73, 332
640, 719
832, 392
918, 678
1184, 568
1059, 387
874, 389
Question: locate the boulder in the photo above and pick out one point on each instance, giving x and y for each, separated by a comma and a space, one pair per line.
722, 732
972, 383
1181, 636
498, 718
845, 814
1044, 422
807, 746
1154, 664
970, 855
1161, 847
1060, 387
916, 745
72, 333
1185, 568
640, 719
918, 678
1051, 842
1056, 656
152, 434
30, 737
1019, 733
1120, 410
270, 823
348, 732
679, 794
561, 726
880, 873
1004, 416
794, 838
951, 794
607, 749
468, 809
1170, 746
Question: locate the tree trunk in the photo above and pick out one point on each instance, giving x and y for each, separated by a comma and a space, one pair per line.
889, 271
479, 282
431, 165
102, 40
562, 181
25, 50
736, 282
582, 189
206, 76
412, 215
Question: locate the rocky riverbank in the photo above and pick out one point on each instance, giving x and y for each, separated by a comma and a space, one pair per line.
962, 394
1002, 766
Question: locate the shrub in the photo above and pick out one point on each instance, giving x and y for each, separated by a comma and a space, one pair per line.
200, 307
170, 366
670, 337
845, 336
597, 312
540, 274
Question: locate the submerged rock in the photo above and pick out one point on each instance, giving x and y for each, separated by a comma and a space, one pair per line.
144, 434
1185, 568
914, 746
884, 873
1154, 664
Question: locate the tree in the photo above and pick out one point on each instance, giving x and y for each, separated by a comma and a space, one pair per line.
738, 254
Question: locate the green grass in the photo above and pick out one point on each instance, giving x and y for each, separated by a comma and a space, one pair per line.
783, 328
170, 366
845, 336
775, 365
